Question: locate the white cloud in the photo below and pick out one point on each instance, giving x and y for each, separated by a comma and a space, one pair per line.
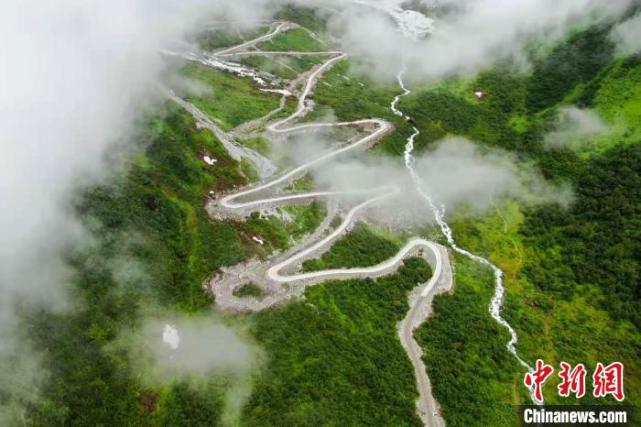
626, 35
477, 34
74, 77
454, 172
76, 74
575, 128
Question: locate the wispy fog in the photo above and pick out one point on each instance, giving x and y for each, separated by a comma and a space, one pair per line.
478, 34
455, 172
575, 128
76, 75
626, 35
174, 346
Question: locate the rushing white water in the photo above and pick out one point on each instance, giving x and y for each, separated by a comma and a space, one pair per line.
439, 213
412, 24
213, 61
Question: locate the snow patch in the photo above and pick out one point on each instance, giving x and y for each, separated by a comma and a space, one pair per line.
209, 160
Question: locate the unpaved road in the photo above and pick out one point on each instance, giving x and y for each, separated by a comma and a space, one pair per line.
420, 301
277, 275
280, 53
280, 27
496, 304
264, 167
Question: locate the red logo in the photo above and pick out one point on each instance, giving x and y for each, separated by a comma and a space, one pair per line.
572, 380
606, 380
537, 378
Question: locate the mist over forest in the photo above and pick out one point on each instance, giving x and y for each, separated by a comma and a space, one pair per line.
165, 261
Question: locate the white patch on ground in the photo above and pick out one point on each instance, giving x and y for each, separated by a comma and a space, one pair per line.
258, 240
479, 94
170, 336
209, 160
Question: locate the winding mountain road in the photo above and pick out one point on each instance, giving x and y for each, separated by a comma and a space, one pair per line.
278, 275
280, 27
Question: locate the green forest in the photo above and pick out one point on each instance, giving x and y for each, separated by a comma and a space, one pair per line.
154, 219
573, 285
360, 247
335, 358
572, 274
